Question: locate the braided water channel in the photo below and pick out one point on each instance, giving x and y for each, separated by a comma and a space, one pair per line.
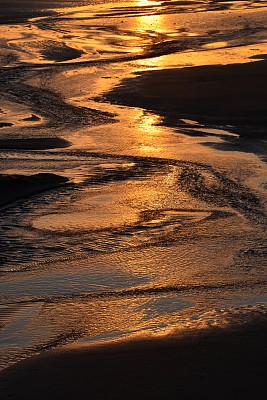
157, 226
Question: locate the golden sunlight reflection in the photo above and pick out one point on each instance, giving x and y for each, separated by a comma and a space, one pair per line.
212, 54
152, 24
153, 21
114, 206
135, 129
150, 138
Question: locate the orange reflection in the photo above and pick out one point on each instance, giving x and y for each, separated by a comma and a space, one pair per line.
150, 136
154, 26
152, 21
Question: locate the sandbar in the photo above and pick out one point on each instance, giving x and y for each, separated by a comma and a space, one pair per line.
15, 187
33, 143
234, 95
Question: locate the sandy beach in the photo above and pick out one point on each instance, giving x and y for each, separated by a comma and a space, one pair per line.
219, 364
133, 265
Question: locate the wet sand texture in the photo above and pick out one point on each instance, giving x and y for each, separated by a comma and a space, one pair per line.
33, 143
218, 366
60, 52
15, 187
12, 11
218, 94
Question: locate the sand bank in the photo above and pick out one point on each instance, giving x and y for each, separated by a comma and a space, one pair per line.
15, 187
216, 94
33, 143
221, 366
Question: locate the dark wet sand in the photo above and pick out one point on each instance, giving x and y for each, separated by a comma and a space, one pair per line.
218, 366
33, 143
12, 11
216, 94
60, 52
15, 187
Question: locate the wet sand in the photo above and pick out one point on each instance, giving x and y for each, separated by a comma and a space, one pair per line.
229, 365
15, 187
33, 144
233, 95
220, 365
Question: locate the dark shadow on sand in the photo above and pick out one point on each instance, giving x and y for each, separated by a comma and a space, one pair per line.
33, 143
216, 366
16, 187
218, 95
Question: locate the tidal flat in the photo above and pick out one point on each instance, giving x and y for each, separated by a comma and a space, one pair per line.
133, 253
